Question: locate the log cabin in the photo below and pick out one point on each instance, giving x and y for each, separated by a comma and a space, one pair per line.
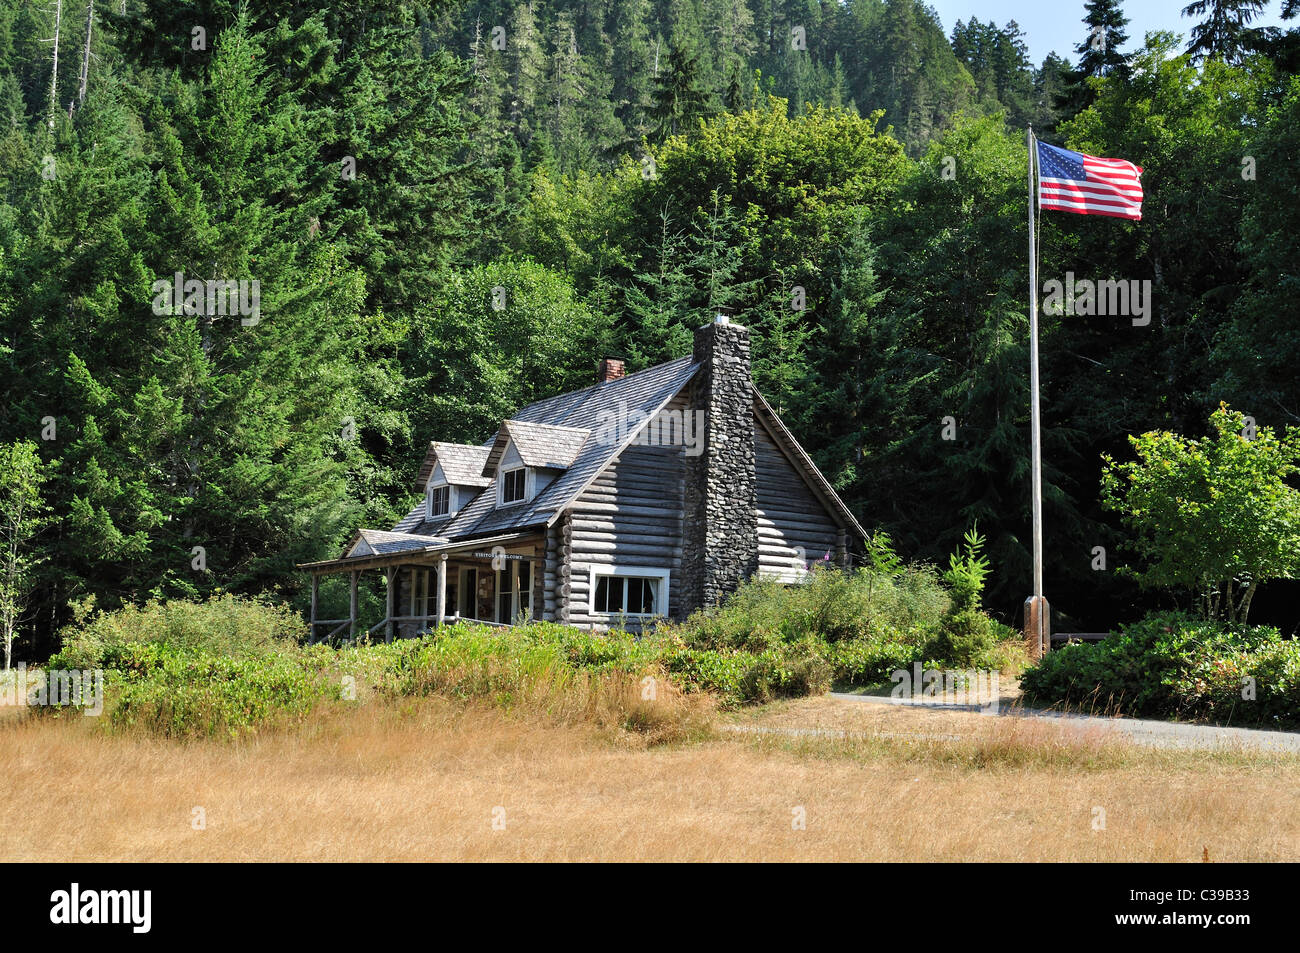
644, 496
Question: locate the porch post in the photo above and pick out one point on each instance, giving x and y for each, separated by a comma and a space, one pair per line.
391, 575
315, 593
352, 607
442, 587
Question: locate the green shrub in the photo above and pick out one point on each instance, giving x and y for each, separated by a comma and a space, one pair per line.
743, 678
1171, 664
192, 694
870, 662
832, 605
225, 625
966, 637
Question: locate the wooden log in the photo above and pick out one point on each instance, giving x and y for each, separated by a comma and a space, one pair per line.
586, 508
315, 596
391, 594
352, 606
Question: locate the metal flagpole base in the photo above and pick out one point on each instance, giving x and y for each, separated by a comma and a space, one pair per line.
1039, 636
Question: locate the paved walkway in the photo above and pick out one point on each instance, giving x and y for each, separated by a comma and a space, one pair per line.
1155, 734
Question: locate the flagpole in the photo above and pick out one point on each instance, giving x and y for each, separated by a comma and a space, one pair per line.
1036, 436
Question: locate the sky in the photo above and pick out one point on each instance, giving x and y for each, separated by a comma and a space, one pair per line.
1058, 24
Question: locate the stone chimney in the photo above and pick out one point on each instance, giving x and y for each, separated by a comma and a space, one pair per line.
719, 500
608, 370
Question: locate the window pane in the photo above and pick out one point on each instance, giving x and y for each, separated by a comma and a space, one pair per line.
514, 486
648, 597
440, 500
525, 586
635, 595
601, 601
616, 588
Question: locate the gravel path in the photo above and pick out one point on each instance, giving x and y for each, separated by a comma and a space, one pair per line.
1156, 734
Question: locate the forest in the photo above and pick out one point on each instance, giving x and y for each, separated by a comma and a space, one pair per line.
847, 179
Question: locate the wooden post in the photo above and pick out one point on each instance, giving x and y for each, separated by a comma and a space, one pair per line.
315, 594
391, 576
1038, 626
442, 587
352, 609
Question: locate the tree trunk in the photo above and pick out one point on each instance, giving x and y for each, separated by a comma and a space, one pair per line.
54, 70
1245, 600
85, 57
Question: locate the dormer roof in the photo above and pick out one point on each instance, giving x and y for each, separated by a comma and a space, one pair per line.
538, 445
462, 464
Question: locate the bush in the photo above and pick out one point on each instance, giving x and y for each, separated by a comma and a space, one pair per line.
225, 625
965, 638
193, 694
1171, 664
832, 605
860, 625
747, 678
232, 666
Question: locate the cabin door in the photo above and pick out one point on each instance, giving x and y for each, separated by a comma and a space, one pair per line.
514, 590
468, 605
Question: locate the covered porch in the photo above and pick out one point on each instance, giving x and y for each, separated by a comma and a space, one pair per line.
492, 581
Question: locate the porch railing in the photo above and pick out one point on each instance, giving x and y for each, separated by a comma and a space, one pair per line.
426, 620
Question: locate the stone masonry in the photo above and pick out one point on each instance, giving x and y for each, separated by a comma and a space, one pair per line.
720, 547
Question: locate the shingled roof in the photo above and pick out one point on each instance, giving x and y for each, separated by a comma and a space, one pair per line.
583, 410
560, 433
462, 464
538, 445
376, 542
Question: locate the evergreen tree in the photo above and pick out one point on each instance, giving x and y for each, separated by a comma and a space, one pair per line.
680, 99
1099, 53
1224, 33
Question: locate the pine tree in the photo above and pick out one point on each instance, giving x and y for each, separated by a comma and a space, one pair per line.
680, 99
1099, 53
632, 71
1224, 34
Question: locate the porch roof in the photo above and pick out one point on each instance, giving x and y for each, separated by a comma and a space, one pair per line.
411, 553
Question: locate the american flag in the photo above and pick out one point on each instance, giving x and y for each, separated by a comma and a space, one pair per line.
1070, 181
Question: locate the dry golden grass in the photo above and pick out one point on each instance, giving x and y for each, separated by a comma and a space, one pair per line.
421, 780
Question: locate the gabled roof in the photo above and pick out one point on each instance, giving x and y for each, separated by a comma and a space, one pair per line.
538, 445
798, 456
462, 464
588, 410
549, 430
376, 542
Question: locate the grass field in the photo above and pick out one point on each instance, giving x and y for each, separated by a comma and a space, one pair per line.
425, 780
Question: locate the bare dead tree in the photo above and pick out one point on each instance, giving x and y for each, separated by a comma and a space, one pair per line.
85, 57
54, 71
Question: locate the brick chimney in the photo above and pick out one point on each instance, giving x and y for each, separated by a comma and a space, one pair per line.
721, 526
608, 370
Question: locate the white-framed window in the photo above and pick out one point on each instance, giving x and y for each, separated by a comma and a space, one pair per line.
632, 591
439, 498
512, 488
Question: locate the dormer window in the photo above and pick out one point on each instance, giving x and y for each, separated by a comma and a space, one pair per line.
439, 501
514, 486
